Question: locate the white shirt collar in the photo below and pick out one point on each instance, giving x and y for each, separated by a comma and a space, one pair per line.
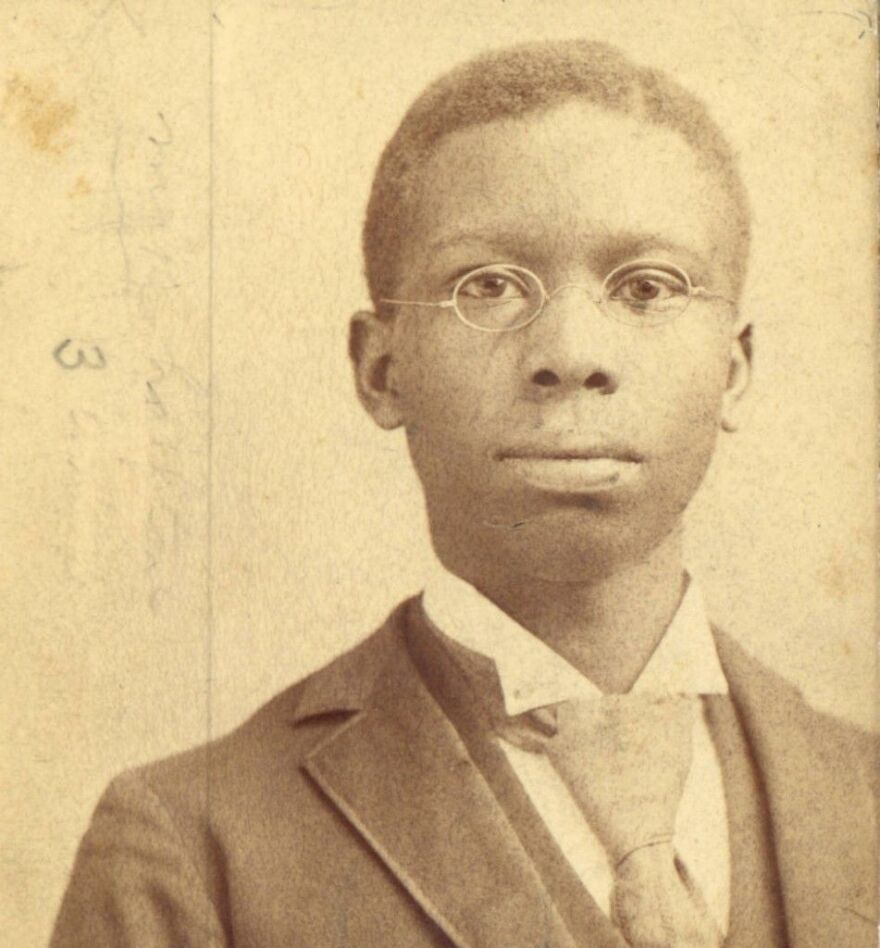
533, 675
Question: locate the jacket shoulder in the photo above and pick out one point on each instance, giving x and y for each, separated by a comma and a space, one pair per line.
277, 737
154, 861
769, 694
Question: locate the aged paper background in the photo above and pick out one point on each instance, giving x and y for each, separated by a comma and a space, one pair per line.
194, 509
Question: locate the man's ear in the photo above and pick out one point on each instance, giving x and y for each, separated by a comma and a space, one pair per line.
739, 374
369, 346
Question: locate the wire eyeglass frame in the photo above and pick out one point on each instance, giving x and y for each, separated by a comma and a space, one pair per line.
602, 302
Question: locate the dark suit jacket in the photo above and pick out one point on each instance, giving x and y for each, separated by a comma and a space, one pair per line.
347, 812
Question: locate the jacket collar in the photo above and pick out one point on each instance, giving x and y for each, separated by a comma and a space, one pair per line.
352, 681
400, 774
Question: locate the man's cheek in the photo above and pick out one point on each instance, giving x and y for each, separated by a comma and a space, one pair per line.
684, 427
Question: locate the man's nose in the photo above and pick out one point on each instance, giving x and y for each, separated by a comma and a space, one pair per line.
572, 345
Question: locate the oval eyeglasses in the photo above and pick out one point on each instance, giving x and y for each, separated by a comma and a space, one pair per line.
502, 297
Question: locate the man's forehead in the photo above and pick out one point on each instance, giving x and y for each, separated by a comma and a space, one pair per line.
573, 137
574, 178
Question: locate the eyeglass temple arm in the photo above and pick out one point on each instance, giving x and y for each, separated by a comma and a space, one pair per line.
443, 304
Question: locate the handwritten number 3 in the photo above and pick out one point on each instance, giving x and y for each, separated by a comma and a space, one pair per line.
92, 356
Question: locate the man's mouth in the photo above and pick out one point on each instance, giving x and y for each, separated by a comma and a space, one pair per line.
573, 468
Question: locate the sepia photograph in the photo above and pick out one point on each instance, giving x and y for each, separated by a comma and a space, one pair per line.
439, 500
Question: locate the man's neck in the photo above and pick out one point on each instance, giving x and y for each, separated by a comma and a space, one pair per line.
607, 626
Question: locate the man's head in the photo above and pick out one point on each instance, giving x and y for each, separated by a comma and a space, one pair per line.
520, 81
573, 444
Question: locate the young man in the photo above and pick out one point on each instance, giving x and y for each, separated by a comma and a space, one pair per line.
552, 746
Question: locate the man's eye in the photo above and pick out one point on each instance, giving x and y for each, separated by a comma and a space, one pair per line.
646, 287
493, 285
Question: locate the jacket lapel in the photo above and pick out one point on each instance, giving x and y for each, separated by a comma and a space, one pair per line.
820, 804
399, 773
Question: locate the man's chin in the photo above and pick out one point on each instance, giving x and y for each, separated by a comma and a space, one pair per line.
573, 541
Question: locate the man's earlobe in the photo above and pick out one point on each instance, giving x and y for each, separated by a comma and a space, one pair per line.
369, 347
739, 376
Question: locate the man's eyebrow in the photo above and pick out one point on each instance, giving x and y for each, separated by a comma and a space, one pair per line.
602, 251
616, 249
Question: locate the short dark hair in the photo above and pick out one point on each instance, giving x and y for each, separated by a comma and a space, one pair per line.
517, 81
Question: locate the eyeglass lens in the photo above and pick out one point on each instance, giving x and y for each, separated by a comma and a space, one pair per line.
501, 298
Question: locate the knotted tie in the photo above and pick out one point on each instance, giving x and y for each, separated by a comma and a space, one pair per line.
625, 760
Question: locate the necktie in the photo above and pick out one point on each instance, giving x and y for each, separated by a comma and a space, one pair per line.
625, 760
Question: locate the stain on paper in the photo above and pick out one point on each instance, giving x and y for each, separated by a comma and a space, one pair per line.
841, 577
38, 113
80, 189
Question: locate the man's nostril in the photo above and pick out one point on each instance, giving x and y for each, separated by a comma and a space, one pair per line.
597, 380
545, 378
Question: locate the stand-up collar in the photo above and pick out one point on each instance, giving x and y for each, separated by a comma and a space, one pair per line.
533, 675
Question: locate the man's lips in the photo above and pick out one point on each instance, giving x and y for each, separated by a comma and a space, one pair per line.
573, 469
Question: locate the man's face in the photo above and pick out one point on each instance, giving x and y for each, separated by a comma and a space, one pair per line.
577, 436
